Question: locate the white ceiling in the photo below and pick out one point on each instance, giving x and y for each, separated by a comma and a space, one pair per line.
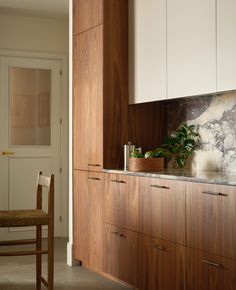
54, 8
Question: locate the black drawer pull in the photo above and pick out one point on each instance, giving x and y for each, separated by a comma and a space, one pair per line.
94, 178
94, 165
118, 181
158, 247
212, 264
215, 193
122, 236
159, 186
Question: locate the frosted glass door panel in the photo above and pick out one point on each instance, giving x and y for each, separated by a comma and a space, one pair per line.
30, 113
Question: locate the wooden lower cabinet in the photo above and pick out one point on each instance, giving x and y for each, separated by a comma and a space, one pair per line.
211, 218
161, 264
88, 218
206, 271
162, 209
121, 254
121, 201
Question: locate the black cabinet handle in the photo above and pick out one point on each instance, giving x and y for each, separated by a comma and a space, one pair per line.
158, 247
159, 186
118, 181
122, 236
215, 193
94, 178
212, 264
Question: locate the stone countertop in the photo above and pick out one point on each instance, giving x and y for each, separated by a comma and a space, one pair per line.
213, 177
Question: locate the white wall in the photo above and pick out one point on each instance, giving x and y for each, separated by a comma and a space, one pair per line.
20, 32
49, 37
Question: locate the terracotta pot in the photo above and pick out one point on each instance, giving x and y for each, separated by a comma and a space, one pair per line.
146, 164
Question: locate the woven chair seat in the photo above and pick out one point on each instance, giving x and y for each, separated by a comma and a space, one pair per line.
23, 218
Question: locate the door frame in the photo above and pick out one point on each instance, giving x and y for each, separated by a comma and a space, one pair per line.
64, 115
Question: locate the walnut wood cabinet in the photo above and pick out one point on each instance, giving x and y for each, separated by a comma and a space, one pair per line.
88, 218
161, 264
211, 218
87, 14
121, 248
162, 208
206, 271
121, 201
100, 83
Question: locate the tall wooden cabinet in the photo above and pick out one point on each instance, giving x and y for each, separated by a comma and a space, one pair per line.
100, 83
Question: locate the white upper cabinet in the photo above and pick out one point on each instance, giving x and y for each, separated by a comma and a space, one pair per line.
191, 47
226, 45
147, 53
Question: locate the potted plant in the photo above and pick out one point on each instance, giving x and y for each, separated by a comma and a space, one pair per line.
179, 146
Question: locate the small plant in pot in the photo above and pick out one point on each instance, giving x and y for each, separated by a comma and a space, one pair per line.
179, 146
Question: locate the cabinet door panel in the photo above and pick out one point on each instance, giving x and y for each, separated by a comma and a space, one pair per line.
147, 24
226, 45
209, 272
161, 264
87, 14
121, 248
121, 201
88, 104
210, 218
88, 218
191, 47
162, 208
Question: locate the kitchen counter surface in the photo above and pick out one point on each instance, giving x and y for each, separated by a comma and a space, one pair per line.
213, 177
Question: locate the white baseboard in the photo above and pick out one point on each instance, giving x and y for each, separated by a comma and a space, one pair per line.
70, 256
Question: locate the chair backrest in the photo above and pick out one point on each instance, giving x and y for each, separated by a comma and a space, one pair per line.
48, 182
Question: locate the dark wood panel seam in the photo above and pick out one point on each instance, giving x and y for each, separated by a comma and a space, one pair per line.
88, 29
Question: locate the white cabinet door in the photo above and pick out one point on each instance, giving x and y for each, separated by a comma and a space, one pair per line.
191, 47
147, 50
226, 45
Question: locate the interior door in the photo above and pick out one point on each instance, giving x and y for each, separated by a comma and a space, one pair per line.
29, 135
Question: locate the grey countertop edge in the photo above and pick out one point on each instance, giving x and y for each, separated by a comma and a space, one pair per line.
211, 177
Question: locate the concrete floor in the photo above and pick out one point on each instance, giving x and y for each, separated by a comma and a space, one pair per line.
18, 273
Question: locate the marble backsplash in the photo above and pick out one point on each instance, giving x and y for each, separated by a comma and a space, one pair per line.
215, 117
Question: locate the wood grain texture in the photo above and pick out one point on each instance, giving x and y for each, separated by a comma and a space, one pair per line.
203, 276
88, 100
115, 81
87, 14
147, 125
162, 209
161, 264
121, 248
146, 164
121, 201
210, 219
88, 218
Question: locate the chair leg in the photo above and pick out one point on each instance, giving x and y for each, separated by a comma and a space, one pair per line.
38, 257
50, 255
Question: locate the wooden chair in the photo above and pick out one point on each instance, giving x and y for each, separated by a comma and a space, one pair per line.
35, 217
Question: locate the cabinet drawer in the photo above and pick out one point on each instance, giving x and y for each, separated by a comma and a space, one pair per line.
161, 264
211, 217
121, 201
162, 208
121, 253
209, 272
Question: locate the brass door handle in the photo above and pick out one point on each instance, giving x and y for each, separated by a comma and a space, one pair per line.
8, 153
